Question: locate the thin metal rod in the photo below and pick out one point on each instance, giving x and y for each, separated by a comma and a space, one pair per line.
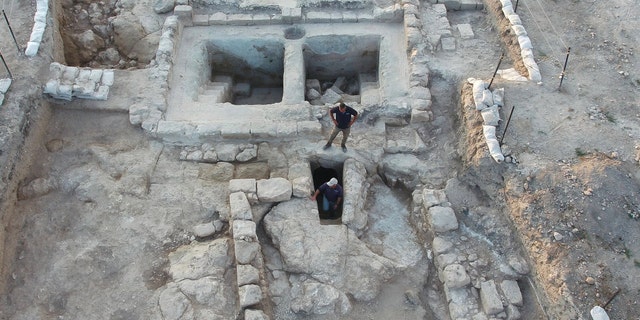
515, 9
5, 65
564, 68
507, 125
494, 73
611, 299
11, 31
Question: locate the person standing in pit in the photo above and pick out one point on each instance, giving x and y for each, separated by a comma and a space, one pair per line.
343, 117
332, 195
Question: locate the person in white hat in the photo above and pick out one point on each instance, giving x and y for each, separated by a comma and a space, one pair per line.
332, 193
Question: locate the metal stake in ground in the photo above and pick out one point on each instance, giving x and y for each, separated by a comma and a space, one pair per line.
5, 66
494, 73
507, 125
564, 68
516, 7
11, 31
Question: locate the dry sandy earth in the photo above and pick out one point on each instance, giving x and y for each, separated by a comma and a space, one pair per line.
573, 199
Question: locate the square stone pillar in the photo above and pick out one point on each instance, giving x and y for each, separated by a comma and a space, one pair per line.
294, 73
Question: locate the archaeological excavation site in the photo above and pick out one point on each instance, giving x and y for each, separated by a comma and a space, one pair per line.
160, 159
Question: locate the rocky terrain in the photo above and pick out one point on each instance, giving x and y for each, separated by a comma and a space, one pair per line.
130, 191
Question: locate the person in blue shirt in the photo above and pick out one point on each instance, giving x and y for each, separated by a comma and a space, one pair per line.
332, 195
343, 117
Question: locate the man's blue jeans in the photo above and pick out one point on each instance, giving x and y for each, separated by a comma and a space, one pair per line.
327, 205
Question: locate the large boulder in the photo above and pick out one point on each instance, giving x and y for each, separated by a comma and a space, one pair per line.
355, 195
331, 254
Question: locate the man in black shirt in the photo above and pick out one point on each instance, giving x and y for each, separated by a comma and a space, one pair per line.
343, 117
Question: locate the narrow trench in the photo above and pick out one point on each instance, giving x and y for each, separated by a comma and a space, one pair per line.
322, 175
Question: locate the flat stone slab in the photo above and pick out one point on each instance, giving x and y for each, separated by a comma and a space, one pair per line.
442, 219
491, 303
249, 295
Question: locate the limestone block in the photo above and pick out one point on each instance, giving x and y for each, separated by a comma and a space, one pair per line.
392, 13
263, 129
291, 14
318, 17
151, 122
163, 6
208, 129
458, 311
514, 19
445, 260
227, 152
240, 19
64, 92
448, 44
70, 74
32, 48
442, 219
56, 70
262, 18
200, 20
414, 37
514, 314
525, 42
204, 230
299, 169
421, 92
519, 30
274, 190
491, 303
249, 295
439, 9
246, 251
465, 31
309, 128
432, 197
455, 276
221, 171
355, 197
239, 206
286, 129
50, 88
511, 292
244, 230
108, 76
420, 116
452, 4
242, 185
441, 245
83, 75
247, 152
247, 274
330, 97
410, 20
234, 131
471, 5
349, 17
101, 94
95, 75
185, 14
250, 314
302, 187
37, 31
218, 18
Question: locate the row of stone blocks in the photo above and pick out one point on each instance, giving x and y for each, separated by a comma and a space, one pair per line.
419, 75
459, 293
287, 15
178, 131
247, 251
40, 23
68, 82
526, 48
459, 5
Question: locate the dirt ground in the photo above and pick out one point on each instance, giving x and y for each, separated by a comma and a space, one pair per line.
572, 199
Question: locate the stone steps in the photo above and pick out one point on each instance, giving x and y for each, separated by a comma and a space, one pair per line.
218, 91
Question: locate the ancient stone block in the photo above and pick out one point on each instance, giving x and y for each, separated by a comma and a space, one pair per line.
431, 197
465, 31
274, 190
455, 276
250, 314
244, 185
204, 230
442, 219
441, 245
247, 274
244, 230
491, 303
245, 251
239, 206
249, 295
511, 292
